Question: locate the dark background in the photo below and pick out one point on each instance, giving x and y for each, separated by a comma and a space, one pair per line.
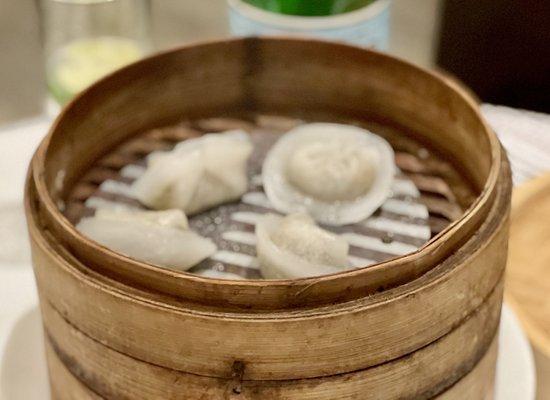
500, 48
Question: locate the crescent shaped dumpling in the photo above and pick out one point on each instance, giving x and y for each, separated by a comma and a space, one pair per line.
338, 174
158, 237
295, 247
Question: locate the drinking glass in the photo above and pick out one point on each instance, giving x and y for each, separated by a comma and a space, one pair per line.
86, 39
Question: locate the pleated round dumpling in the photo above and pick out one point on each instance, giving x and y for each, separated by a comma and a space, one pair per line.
295, 247
338, 174
197, 174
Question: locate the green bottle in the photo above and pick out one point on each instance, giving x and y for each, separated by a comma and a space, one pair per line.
310, 8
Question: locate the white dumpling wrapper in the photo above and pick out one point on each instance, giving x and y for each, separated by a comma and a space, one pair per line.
213, 273
338, 174
295, 247
158, 237
198, 174
168, 218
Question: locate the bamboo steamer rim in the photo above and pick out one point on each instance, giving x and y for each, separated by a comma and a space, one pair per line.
480, 381
482, 323
445, 242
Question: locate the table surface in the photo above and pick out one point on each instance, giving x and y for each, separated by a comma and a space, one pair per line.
515, 366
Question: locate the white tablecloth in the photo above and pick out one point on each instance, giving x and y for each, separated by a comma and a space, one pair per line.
526, 137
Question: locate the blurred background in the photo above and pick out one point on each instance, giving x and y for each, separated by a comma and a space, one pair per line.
415, 32
498, 48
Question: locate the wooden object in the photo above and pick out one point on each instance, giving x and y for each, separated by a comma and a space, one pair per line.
528, 275
426, 372
430, 315
477, 383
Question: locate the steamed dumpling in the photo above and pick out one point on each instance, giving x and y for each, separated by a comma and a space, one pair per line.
332, 170
339, 174
158, 237
167, 218
198, 174
213, 273
294, 247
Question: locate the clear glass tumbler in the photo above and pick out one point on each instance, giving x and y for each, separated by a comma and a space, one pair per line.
86, 39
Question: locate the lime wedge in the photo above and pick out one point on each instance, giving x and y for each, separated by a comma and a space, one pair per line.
81, 62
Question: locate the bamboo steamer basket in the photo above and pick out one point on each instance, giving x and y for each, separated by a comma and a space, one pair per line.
417, 326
